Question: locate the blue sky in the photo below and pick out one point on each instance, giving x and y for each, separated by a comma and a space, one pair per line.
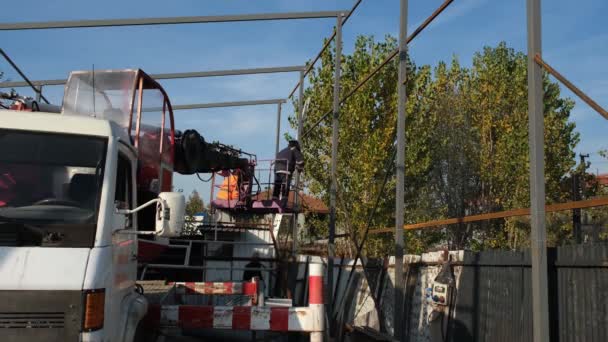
575, 42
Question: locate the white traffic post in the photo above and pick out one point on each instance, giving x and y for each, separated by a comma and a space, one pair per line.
315, 301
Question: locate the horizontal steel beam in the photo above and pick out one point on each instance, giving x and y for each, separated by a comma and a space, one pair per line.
592, 203
167, 20
176, 75
227, 104
20, 84
232, 72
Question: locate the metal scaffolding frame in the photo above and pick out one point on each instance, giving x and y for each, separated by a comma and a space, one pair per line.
167, 20
535, 107
38, 85
326, 45
175, 75
333, 189
536, 141
400, 169
28, 83
226, 104
277, 102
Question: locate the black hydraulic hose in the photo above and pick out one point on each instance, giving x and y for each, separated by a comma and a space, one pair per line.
202, 180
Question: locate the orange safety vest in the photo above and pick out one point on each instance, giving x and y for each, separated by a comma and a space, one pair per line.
229, 188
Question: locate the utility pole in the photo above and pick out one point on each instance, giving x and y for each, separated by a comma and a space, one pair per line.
578, 193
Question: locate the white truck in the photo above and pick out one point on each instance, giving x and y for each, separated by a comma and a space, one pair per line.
71, 185
86, 207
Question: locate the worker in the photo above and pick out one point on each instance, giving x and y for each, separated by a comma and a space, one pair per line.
287, 161
229, 188
253, 268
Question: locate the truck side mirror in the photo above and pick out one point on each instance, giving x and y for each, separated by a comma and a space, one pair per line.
170, 213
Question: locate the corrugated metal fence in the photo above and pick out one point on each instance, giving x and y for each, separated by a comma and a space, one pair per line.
492, 300
493, 297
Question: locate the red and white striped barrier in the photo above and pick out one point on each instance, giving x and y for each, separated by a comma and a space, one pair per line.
304, 319
239, 318
217, 288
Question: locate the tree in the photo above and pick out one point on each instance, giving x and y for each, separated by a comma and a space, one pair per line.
498, 94
194, 205
467, 145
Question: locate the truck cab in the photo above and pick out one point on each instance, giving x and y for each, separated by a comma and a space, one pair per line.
77, 189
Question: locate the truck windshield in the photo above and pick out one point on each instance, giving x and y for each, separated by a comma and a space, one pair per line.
105, 94
50, 187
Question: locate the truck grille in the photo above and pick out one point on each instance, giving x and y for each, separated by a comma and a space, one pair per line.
32, 320
40, 315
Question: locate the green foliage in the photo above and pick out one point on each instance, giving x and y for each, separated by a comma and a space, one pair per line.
194, 205
467, 145
287, 136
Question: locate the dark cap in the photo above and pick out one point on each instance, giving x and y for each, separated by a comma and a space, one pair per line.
294, 143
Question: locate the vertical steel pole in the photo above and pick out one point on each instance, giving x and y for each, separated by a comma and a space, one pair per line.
301, 106
334, 166
38, 93
296, 201
278, 137
400, 170
538, 238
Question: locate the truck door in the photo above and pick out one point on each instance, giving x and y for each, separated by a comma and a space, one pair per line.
124, 246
